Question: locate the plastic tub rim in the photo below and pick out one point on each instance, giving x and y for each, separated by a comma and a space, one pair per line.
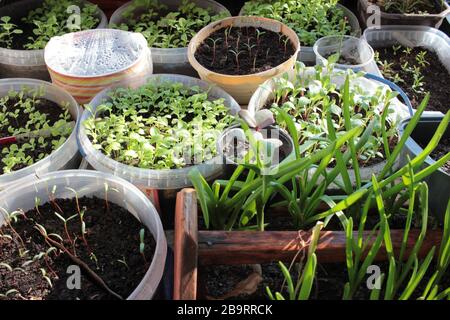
22, 173
353, 66
134, 172
193, 46
159, 237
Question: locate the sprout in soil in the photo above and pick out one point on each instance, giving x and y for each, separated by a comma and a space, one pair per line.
142, 244
124, 262
7, 31
259, 33
214, 41
236, 56
65, 221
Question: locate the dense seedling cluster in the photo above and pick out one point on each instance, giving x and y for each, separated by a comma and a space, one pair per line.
27, 112
159, 126
165, 28
311, 20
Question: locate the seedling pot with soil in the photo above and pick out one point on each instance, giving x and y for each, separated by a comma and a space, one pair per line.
28, 62
416, 58
38, 129
439, 181
91, 220
310, 20
282, 88
156, 161
436, 13
168, 56
240, 53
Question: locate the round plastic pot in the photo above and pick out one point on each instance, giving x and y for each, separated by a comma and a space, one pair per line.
66, 156
439, 181
241, 87
84, 87
28, 63
91, 183
265, 93
348, 47
147, 178
169, 60
366, 9
307, 54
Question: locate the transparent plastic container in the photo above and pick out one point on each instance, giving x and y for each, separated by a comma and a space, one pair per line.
66, 156
307, 54
28, 63
415, 36
86, 62
357, 52
401, 111
172, 60
92, 183
146, 178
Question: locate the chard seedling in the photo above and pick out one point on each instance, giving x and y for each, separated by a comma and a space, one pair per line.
214, 41
236, 54
66, 229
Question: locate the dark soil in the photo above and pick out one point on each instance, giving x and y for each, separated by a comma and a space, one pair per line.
112, 234
441, 150
328, 285
346, 60
436, 76
53, 113
422, 7
268, 51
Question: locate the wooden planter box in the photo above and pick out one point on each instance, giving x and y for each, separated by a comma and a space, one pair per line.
194, 248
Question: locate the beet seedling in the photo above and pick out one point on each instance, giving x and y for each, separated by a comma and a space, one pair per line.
142, 244
66, 229
236, 57
214, 41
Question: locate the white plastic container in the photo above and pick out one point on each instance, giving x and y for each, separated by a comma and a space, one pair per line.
66, 156
348, 47
171, 60
91, 183
86, 62
28, 63
416, 36
264, 94
307, 54
146, 178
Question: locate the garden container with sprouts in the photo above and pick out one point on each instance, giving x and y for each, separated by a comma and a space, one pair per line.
86, 62
168, 60
439, 181
265, 92
91, 183
367, 9
241, 87
306, 53
411, 36
66, 156
353, 53
28, 63
149, 179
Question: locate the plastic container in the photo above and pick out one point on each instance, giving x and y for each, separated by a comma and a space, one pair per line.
147, 179
66, 156
171, 60
439, 181
415, 36
357, 51
264, 93
86, 62
271, 132
431, 20
307, 54
241, 87
28, 63
92, 183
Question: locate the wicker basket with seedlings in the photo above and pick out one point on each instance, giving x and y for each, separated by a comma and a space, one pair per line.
86, 242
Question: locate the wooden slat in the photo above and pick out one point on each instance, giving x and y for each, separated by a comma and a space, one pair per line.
185, 246
251, 247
